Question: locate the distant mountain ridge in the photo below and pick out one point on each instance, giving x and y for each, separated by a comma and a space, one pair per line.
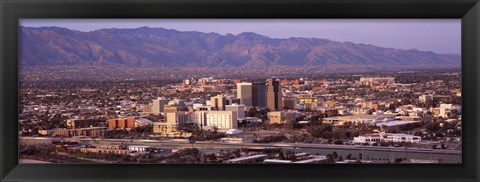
159, 47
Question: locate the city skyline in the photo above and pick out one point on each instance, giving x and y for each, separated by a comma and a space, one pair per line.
440, 36
325, 120
159, 96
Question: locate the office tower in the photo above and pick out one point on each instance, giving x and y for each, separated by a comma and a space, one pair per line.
159, 105
259, 93
244, 93
240, 109
218, 102
274, 94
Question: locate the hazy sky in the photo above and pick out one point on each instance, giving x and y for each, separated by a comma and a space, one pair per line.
437, 35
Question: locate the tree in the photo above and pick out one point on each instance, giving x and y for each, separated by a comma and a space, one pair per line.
290, 155
246, 151
281, 156
433, 127
348, 135
330, 158
349, 156
338, 142
334, 155
237, 153
327, 135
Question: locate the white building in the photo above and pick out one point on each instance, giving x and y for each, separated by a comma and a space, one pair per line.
222, 120
244, 93
142, 122
445, 110
386, 137
233, 131
139, 148
205, 80
247, 159
368, 138
277, 161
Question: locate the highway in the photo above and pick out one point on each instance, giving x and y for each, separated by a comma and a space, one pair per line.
374, 153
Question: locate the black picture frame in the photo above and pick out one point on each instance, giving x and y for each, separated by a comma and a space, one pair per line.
12, 10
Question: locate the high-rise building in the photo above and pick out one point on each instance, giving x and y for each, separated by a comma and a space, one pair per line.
175, 105
180, 118
159, 105
240, 109
218, 102
222, 119
217, 119
259, 93
244, 93
274, 94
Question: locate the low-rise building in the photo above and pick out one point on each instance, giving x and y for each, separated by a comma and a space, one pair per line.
169, 130
248, 159
139, 148
107, 149
139, 122
289, 102
386, 137
81, 123
280, 117
121, 123
63, 132
363, 119
374, 81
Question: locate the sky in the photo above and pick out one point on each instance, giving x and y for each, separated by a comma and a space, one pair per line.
436, 35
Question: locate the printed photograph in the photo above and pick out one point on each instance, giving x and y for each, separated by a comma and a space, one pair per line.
240, 91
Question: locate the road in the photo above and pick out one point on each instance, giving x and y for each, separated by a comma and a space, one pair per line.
373, 153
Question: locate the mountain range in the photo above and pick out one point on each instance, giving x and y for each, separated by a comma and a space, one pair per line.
160, 47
